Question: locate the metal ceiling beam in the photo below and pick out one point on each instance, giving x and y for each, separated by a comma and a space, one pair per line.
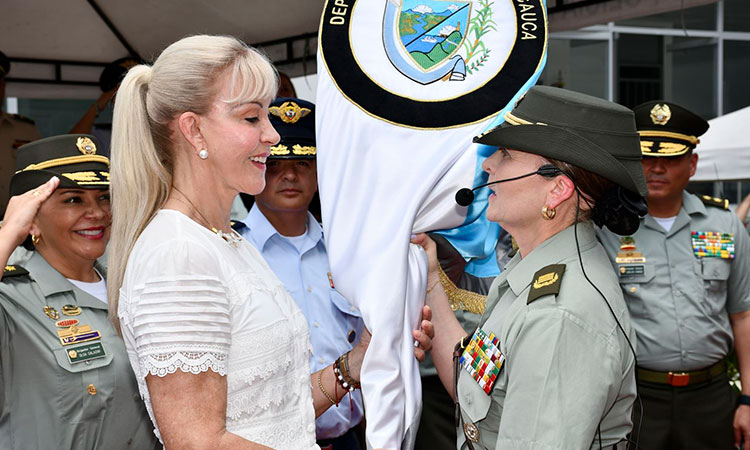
567, 5
114, 30
57, 67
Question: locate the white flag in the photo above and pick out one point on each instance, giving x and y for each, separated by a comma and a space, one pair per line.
403, 86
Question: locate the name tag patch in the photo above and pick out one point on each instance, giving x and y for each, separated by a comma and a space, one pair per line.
712, 244
483, 360
86, 352
632, 271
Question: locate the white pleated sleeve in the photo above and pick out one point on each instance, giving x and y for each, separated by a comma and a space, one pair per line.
180, 311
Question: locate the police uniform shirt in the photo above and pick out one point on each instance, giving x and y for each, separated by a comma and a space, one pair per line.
679, 302
568, 369
335, 324
47, 401
15, 131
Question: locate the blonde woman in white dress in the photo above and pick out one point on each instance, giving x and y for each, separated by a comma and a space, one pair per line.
219, 348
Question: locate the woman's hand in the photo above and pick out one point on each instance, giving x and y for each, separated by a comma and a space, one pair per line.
21, 210
423, 336
422, 344
357, 354
430, 249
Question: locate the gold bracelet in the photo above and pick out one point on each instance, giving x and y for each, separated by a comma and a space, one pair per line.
322, 389
432, 287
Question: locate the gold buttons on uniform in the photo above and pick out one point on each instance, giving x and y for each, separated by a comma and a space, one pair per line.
91, 389
471, 431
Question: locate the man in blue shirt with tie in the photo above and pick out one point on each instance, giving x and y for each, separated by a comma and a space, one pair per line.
290, 239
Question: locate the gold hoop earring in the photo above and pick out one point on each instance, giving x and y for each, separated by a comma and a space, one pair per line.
548, 213
35, 239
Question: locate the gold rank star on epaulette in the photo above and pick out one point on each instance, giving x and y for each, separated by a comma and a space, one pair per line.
14, 271
715, 201
547, 281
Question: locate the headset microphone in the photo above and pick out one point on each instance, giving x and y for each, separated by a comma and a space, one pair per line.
465, 196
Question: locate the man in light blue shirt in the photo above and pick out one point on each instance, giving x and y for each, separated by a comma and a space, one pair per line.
291, 241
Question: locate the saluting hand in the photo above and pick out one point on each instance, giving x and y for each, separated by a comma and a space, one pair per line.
21, 211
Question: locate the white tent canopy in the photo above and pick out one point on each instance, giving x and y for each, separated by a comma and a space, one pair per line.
68, 42
724, 151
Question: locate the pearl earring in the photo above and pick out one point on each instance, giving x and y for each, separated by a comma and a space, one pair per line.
203, 154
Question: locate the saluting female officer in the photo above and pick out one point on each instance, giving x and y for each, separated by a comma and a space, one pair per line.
550, 365
65, 379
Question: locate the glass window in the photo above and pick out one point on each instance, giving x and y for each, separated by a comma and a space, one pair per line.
702, 188
55, 117
639, 68
736, 15
698, 18
578, 65
736, 75
690, 74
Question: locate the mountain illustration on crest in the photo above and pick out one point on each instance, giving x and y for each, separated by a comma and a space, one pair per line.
430, 37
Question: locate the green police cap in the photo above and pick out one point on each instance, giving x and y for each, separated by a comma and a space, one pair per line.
667, 129
72, 158
588, 132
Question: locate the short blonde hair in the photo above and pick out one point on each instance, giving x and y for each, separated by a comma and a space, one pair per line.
182, 79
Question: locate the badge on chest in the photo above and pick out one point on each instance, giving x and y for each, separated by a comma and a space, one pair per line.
483, 360
712, 244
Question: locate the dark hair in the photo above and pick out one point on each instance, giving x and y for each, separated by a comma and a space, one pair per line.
28, 244
611, 205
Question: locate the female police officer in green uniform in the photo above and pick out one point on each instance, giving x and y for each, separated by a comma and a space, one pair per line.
65, 379
550, 365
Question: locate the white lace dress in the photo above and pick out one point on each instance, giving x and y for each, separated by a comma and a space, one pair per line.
192, 302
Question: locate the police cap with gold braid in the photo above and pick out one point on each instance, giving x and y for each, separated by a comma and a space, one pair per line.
294, 120
667, 129
72, 157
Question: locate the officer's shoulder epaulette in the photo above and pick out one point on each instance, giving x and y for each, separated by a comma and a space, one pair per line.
715, 202
14, 271
23, 119
546, 281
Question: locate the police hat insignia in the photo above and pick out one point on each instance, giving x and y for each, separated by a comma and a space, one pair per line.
289, 112
660, 114
294, 120
86, 146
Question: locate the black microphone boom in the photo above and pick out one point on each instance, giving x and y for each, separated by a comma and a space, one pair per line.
465, 196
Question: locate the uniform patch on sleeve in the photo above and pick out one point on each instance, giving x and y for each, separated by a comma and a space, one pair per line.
546, 282
14, 271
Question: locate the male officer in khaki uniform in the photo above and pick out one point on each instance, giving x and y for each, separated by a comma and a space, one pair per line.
685, 275
15, 130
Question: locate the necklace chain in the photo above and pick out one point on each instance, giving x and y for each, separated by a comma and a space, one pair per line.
232, 238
